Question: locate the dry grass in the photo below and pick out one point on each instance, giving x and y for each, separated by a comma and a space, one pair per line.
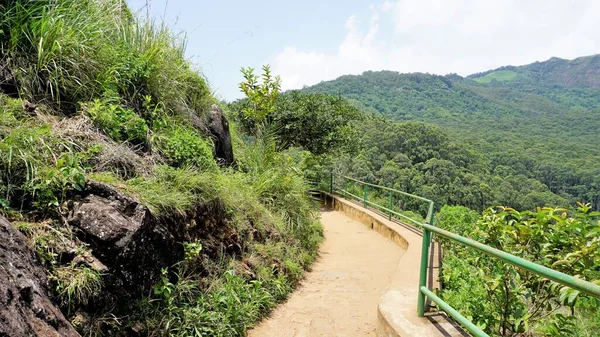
121, 159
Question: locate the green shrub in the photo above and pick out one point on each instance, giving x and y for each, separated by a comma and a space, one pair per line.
505, 300
184, 146
119, 123
35, 164
51, 186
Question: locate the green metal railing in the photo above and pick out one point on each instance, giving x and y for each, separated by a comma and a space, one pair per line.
334, 183
564, 279
429, 228
390, 193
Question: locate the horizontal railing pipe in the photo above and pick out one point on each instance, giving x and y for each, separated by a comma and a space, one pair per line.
476, 331
388, 189
554, 275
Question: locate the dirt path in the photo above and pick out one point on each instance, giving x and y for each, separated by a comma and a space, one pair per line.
339, 296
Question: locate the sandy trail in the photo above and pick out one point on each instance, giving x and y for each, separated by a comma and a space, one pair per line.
339, 296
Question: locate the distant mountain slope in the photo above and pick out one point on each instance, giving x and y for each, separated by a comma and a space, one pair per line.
457, 103
542, 118
582, 72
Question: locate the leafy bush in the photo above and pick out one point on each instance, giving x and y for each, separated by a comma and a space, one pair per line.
184, 146
506, 300
51, 186
261, 96
318, 123
119, 123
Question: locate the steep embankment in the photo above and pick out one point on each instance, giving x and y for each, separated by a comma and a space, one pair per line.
115, 165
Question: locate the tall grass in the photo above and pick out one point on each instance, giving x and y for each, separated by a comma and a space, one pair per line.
71, 51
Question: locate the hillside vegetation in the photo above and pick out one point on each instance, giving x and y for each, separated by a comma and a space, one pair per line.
103, 121
533, 126
499, 75
581, 72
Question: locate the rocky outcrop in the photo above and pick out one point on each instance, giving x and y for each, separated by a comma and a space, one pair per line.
25, 307
215, 125
218, 126
125, 236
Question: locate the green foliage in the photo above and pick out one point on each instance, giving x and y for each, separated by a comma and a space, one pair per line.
261, 96
130, 77
184, 146
318, 123
52, 186
164, 288
36, 165
421, 159
269, 196
228, 310
588, 317
266, 197
74, 51
46, 239
119, 123
503, 299
321, 124
191, 250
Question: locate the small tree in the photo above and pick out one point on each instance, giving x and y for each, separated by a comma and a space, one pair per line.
261, 96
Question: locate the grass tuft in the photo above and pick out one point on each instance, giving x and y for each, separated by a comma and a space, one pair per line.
77, 285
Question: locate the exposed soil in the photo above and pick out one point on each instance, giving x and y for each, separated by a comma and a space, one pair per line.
339, 296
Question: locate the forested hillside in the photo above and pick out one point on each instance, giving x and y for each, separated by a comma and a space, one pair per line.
537, 122
582, 72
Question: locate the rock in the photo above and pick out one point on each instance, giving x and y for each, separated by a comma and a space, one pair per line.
219, 130
215, 125
125, 237
25, 307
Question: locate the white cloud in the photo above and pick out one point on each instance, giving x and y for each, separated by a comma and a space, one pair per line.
439, 36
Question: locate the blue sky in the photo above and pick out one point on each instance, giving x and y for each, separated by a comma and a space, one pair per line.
310, 41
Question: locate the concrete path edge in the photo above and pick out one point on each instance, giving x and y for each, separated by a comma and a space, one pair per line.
397, 309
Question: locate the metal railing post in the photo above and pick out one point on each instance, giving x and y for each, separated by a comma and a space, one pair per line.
430, 214
423, 272
391, 204
365, 195
331, 182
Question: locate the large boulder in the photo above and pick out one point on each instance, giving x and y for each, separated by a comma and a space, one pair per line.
215, 125
125, 236
218, 126
25, 307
